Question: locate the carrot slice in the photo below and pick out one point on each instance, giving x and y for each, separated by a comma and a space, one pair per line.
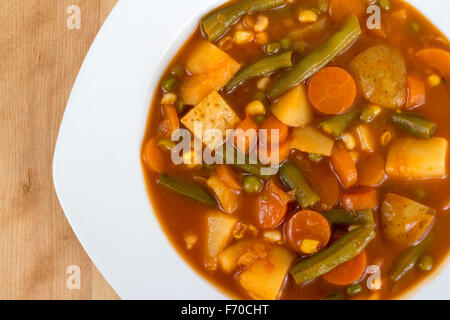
284, 150
416, 92
332, 90
348, 272
153, 156
308, 226
226, 175
272, 123
271, 206
361, 200
341, 10
170, 122
344, 166
245, 139
436, 58
371, 170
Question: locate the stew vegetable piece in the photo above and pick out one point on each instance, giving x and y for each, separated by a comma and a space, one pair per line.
323, 149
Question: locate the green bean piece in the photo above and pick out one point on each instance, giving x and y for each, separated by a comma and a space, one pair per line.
166, 144
415, 125
247, 167
291, 175
260, 68
426, 263
355, 289
317, 59
408, 259
336, 125
415, 27
384, 4
272, 48
187, 189
346, 217
334, 296
369, 113
217, 23
252, 184
315, 157
170, 83
341, 251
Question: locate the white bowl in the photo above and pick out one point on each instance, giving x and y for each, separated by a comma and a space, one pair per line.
97, 171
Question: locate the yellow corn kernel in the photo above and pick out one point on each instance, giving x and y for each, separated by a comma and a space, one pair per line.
243, 37
307, 16
255, 108
263, 83
262, 38
354, 155
261, 24
386, 138
349, 141
226, 43
169, 98
189, 160
190, 239
272, 236
253, 230
434, 80
309, 246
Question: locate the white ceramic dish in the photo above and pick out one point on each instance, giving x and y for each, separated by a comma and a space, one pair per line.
97, 170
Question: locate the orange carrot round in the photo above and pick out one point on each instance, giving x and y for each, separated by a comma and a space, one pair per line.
436, 58
360, 200
284, 150
308, 225
416, 92
245, 139
227, 176
271, 206
272, 123
153, 156
332, 90
348, 272
344, 166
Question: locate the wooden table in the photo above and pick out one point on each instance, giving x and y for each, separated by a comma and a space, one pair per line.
39, 61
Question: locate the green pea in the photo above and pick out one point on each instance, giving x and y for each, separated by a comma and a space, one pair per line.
355, 289
315, 157
166, 144
259, 118
420, 193
169, 83
415, 27
177, 71
426, 263
272, 48
208, 166
261, 96
334, 296
285, 43
252, 184
180, 106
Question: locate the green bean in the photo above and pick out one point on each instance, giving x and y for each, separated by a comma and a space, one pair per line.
341, 251
426, 263
252, 184
315, 157
346, 217
272, 48
384, 4
408, 259
187, 189
369, 113
217, 23
292, 176
263, 67
318, 58
334, 296
355, 289
247, 167
336, 125
415, 125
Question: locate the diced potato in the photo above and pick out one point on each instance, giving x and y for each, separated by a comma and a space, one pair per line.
411, 158
228, 258
381, 74
293, 108
311, 140
265, 277
210, 69
404, 221
214, 113
366, 138
228, 199
220, 229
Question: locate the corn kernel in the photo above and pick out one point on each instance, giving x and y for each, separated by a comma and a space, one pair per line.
262, 22
349, 141
309, 246
307, 16
263, 83
226, 43
255, 108
169, 98
354, 155
189, 160
272, 236
434, 80
190, 239
243, 37
386, 138
262, 38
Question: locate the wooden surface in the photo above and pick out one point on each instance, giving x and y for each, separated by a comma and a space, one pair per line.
39, 61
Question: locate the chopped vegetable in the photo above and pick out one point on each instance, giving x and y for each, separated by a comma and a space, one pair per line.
252, 184
335, 126
307, 16
332, 90
308, 232
169, 84
187, 189
284, 150
228, 258
344, 166
349, 141
334, 296
310, 31
228, 199
371, 170
348, 272
341, 251
366, 138
340, 10
271, 125
436, 58
311, 140
293, 107
292, 176
272, 48
434, 80
153, 157
315, 157
355, 289
170, 122
410, 158
226, 174
271, 206
263, 67
415, 125
426, 263
345, 217
416, 92
253, 169
381, 74
369, 113
217, 23
404, 221
318, 58
360, 200
215, 114
166, 144
255, 108
246, 135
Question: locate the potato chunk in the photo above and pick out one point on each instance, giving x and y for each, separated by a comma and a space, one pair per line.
214, 113
311, 140
411, 158
229, 200
228, 258
210, 69
404, 221
293, 108
381, 74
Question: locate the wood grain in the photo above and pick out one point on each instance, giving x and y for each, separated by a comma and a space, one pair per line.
39, 61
